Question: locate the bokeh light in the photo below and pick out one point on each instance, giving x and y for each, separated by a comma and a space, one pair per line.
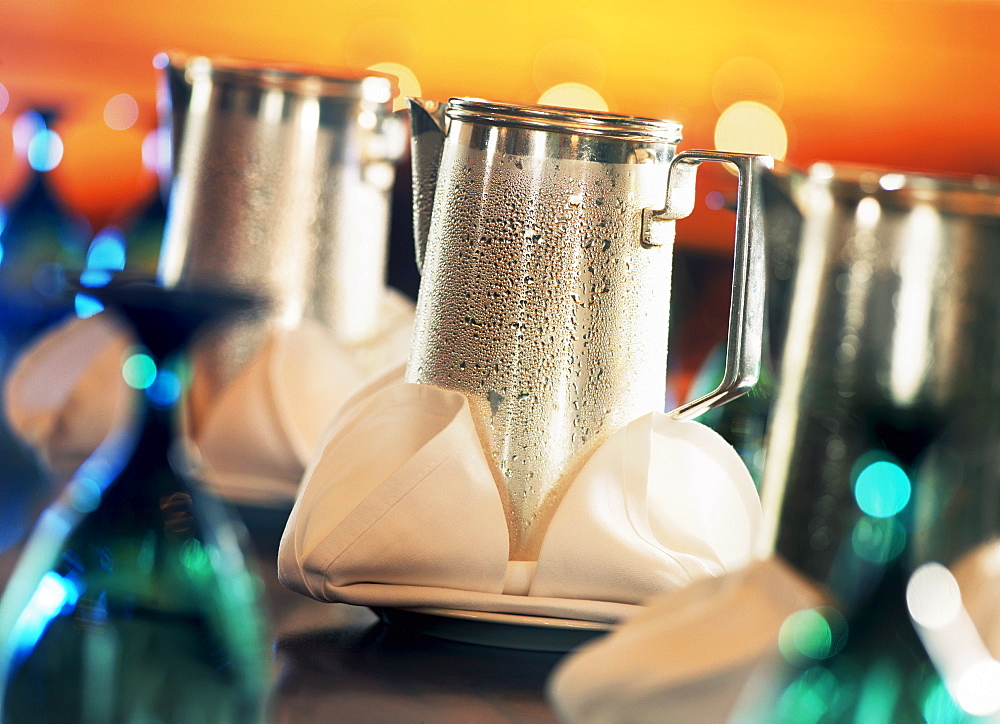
94, 278
938, 706
45, 150
107, 250
977, 690
878, 540
195, 558
868, 212
406, 81
376, 89
84, 493
155, 140
812, 634
52, 595
139, 371
27, 125
573, 95
121, 112
165, 389
751, 127
914, 303
880, 692
4, 98
14, 168
367, 120
106, 254
816, 695
882, 489
86, 306
933, 597
715, 200
892, 181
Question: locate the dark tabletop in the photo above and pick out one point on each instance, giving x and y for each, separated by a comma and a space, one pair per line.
334, 662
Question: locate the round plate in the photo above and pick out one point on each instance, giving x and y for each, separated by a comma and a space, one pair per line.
505, 630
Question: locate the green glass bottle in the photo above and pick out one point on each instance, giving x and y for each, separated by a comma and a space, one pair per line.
132, 600
864, 538
741, 422
872, 669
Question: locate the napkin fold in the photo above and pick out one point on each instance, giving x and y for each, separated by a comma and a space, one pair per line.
66, 393
400, 509
689, 655
977, 574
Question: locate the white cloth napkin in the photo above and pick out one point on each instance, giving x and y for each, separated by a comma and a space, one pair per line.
258, 437
66, 393
400, 509
978, 577
689, 655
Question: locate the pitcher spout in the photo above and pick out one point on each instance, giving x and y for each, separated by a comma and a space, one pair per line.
173, 96
428, 127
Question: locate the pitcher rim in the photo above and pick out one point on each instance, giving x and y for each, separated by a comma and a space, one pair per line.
291, 77
565, 120
972, 194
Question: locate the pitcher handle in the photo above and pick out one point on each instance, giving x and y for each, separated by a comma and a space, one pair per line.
746, 316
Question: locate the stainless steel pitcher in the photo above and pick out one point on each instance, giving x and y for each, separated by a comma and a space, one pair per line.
545, 237
281, 185
891, 355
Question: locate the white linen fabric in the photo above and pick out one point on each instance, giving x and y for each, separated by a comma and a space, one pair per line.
689, 655
978, 576
67, 393
400, 509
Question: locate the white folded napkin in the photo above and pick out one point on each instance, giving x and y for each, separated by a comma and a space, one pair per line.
258, 437
66, 393
400, 509
689, 655
978, 577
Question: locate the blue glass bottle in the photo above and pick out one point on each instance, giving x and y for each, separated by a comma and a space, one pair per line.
132, 600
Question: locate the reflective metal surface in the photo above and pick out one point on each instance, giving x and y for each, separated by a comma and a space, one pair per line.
282, 186
892, 349
546, 285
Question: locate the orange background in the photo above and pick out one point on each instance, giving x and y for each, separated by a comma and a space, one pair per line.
909, 84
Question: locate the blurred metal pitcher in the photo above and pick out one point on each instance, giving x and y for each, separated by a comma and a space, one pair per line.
892, 347
281, 186
545, 237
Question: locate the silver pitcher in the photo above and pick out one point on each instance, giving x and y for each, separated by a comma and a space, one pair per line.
281, 186
891, 358
545, 238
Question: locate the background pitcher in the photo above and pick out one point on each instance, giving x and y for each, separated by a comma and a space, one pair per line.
281, 186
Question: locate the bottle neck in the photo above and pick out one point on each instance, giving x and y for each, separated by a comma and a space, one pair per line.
148, 469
